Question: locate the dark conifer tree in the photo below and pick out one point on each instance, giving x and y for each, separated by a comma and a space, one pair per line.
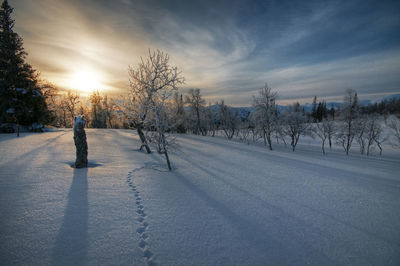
332, 113
21, 100
314, 110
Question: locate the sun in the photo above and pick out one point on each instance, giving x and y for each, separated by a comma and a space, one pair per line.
86, 80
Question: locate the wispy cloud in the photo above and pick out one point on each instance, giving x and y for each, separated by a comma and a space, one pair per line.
228, 49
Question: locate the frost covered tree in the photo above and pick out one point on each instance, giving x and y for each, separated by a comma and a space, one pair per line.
253, 126
361, 131
62, 111
325, 131
163, 121
179, 113
373, 133
210, 120
97, 116
264, 113
150, 79
196, 103
280, 128
21, 99
62, 106
331, 129
71, 103
245, 129
52, 95
295, 124
349, 115
394, 124
229, 120
109, 111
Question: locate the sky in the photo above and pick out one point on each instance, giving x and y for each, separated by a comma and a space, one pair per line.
228, 49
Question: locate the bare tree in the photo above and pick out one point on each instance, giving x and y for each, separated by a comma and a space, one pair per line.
71, 102
97, 117
211, 120
152, 75
109, 107
361, 131
374, 133
330, 128
228, 120
265, 109
56, 103
179, 113
349, 115
162, 121
245, 129
296, 124
394, 124
63, 112
325, 131
52, 94
280, 128
196, 104
252, 120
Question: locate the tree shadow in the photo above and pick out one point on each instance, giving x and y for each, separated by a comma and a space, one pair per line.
219, 173
272, 236
369, 181
71, 246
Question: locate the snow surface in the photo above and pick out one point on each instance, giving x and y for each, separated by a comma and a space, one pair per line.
225, 203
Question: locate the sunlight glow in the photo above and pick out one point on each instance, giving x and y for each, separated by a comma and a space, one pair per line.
86, 80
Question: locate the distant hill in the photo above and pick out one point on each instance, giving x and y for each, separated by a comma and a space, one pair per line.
389, 97
244, 111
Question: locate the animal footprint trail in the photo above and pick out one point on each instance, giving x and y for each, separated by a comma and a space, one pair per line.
142, 230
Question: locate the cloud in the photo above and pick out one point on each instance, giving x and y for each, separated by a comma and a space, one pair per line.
228, 49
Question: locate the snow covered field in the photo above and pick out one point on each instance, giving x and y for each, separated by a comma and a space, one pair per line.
225, 203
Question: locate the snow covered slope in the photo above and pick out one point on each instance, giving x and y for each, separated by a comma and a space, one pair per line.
225, 203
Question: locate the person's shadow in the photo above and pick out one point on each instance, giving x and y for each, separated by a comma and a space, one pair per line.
71, 246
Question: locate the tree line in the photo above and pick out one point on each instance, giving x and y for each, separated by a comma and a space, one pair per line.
155, 108
100, 111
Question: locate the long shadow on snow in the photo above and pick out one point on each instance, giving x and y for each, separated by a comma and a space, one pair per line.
281, 213
71, 246
303, 148
39, 148
368, 181
8, 136
264, 237
116, 136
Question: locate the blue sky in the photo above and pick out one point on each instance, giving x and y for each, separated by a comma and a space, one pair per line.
228, 49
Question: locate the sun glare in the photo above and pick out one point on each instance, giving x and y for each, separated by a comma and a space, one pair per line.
86, 80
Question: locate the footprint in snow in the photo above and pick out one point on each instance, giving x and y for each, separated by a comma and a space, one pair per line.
142, 230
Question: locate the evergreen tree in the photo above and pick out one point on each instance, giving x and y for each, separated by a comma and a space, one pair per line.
179, 113
321, 112
324, 110
21, 100
332, 113
318, 114
314, 110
